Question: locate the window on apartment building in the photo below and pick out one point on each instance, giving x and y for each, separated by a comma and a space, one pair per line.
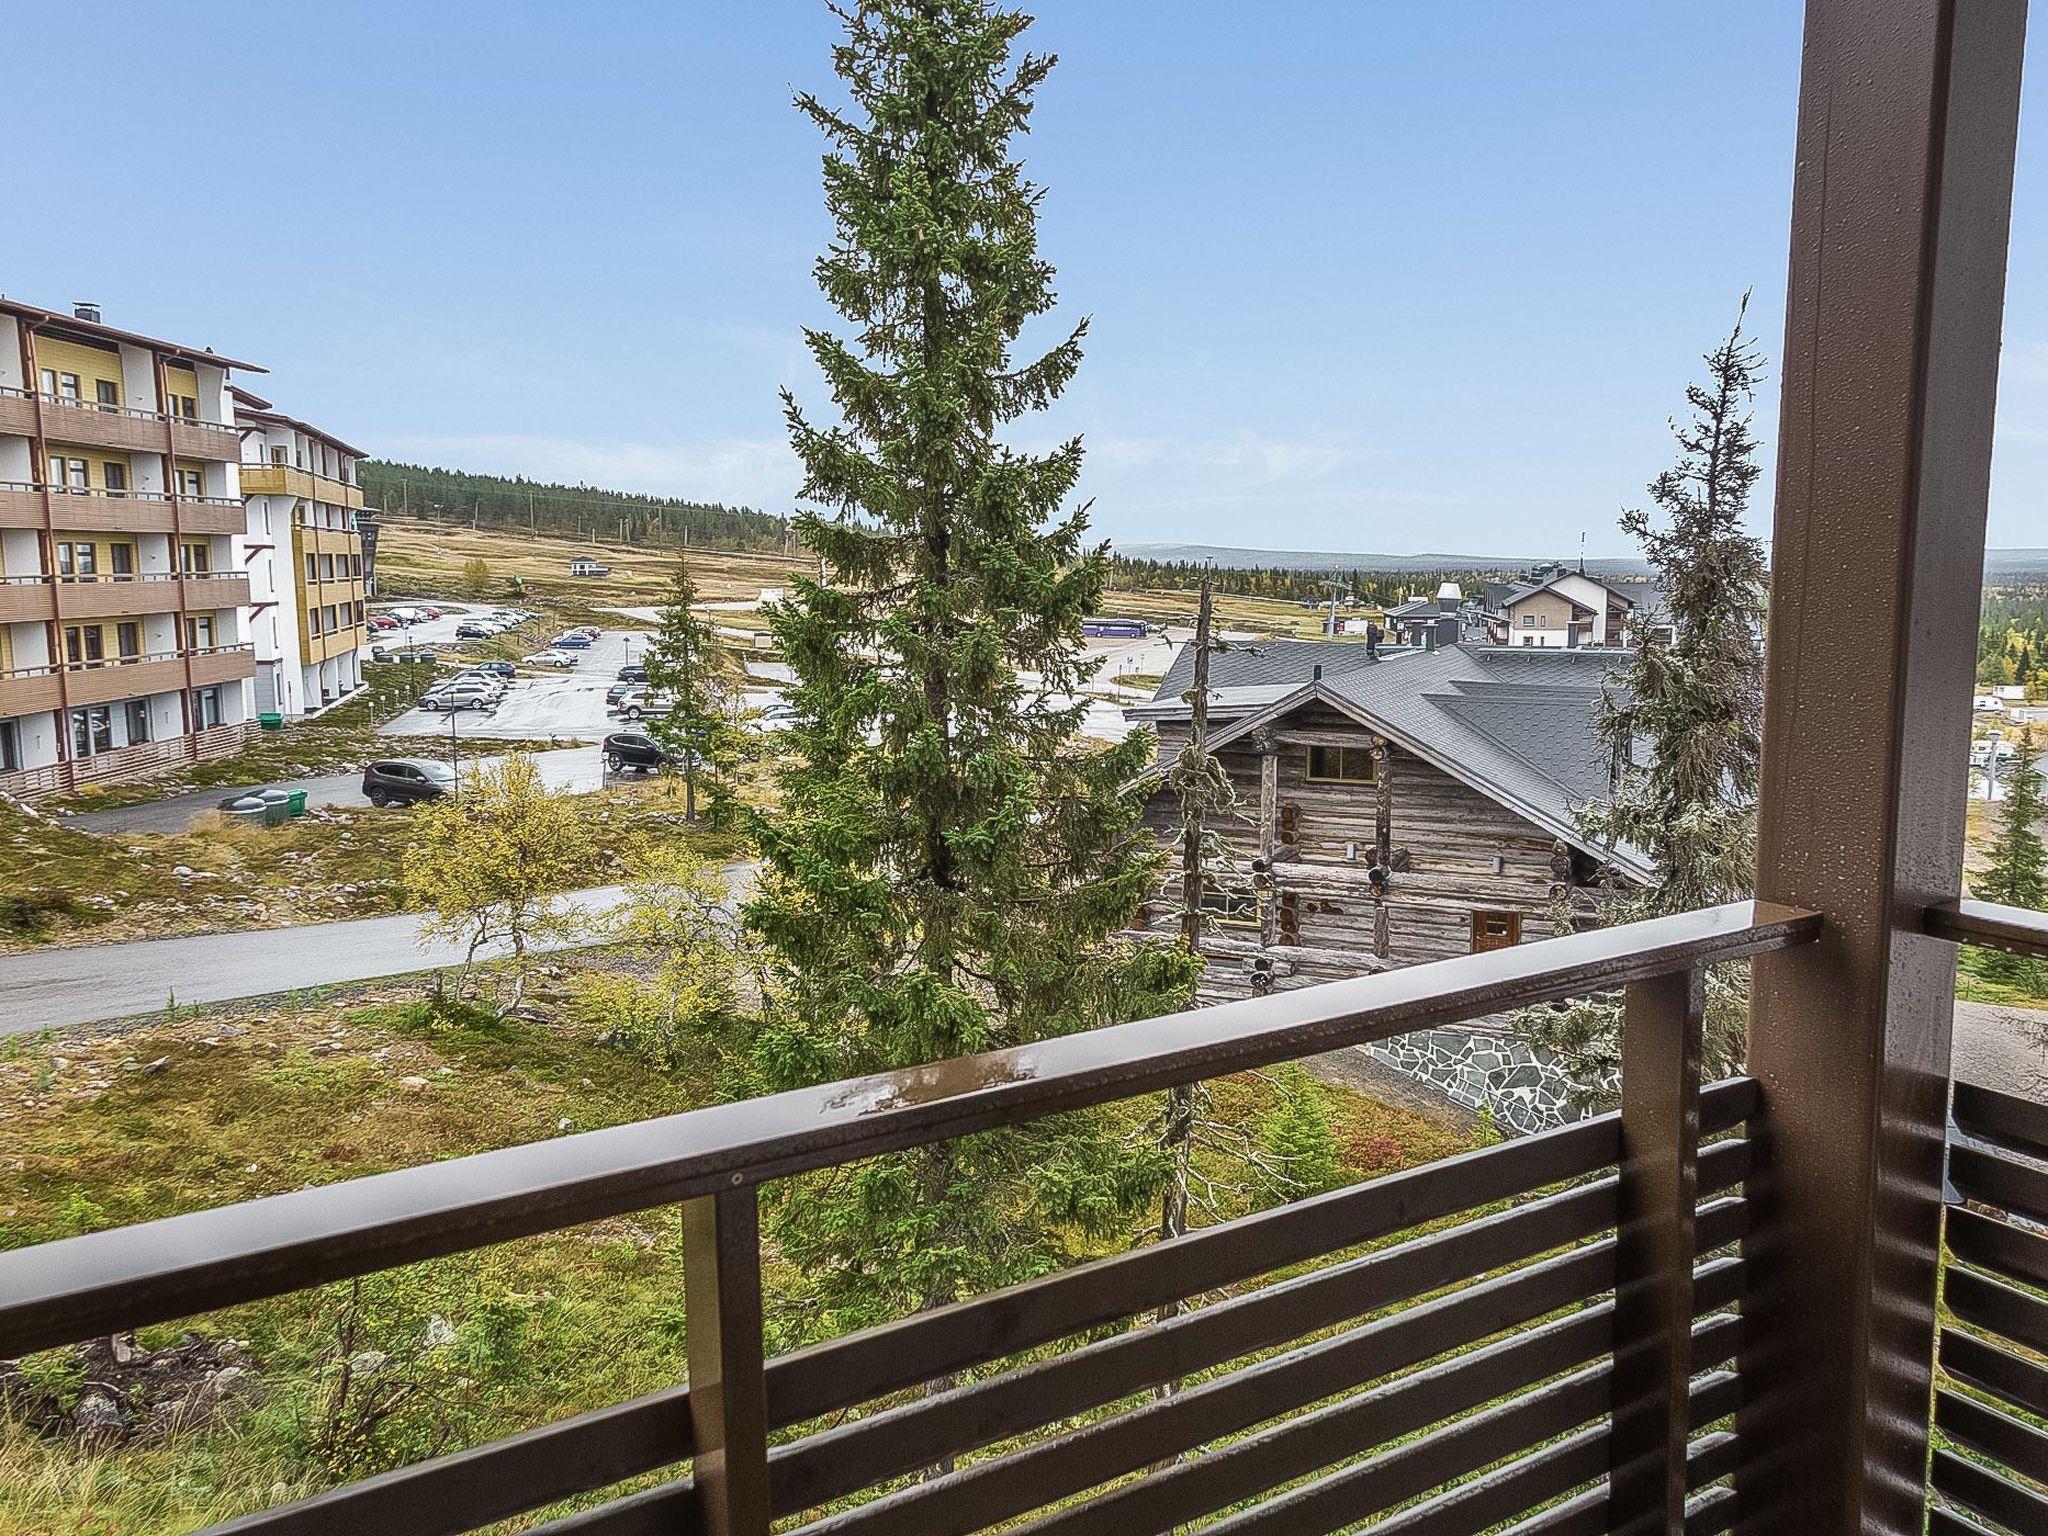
60, 386
1340, 765
68, 474
333, 619
313, 622
136, 718
114, 476
327, 567
108, 393
195, 556
205, 708
92, 731
121, 559
185, 407
1528, 621
80, 560
84, 644
191, 482
10, 746
199, 631
312, 569
1543, 621
128, 639
1495, 930
278, 454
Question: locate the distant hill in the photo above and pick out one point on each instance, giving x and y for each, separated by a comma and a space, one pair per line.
2003, 563
502, 501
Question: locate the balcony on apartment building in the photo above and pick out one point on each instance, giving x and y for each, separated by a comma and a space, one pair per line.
97, 510
29, 598
32, 689
289, 480
1713, 1309
99, 424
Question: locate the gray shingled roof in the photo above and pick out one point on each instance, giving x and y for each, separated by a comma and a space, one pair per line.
1263, 661
1516, 723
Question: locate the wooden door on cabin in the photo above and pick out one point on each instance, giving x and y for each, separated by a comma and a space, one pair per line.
1495, 930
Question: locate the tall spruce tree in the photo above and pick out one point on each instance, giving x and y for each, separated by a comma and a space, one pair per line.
690, 670
2017, 874
948, 861
1683, 722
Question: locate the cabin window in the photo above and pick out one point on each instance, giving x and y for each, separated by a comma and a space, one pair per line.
1495, 930
1231, 907
1340, 765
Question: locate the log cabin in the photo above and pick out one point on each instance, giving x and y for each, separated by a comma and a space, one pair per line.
1391, 810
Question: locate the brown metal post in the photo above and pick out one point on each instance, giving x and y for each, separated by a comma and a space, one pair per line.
1901, 210
1653, 1301
722, 1320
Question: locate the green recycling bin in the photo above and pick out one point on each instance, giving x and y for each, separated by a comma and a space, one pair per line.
297, 802
270, 720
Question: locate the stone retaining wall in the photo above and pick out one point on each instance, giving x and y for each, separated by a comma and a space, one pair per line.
1519, 1084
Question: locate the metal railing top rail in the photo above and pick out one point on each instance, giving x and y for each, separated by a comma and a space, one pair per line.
76, 1287
88, 578
109, 408
2017, 930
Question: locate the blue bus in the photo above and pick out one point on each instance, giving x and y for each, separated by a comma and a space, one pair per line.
1114, 629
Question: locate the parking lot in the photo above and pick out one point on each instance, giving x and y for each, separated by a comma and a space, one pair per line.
542, 704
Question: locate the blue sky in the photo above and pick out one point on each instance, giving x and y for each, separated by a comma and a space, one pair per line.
1364, 276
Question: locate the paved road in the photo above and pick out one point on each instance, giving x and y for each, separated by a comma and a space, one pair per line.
59, 988
571, 768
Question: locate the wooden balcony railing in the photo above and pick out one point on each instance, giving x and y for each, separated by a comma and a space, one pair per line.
1581, 1331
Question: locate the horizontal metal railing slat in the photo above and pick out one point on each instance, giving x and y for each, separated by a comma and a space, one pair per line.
466, 1489
1998, 1246
861, 1367
1327, 1435
866, 1451
1456, 1450
2003, 1309
1952, 1522
462, 1490
1707, 1458
78, 1287
1989, 1432
2005, 1182
665, 1511
2004, 1119
1711, 1513
1990, 1494
1998, 1371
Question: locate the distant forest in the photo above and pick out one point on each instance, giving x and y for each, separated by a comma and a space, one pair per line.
1376, 588
498, 501
2012, 636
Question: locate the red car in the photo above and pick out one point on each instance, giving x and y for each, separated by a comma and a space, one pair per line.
430, 611
382, 621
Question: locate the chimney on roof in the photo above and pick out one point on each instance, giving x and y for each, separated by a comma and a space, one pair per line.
1318, 673
85, 309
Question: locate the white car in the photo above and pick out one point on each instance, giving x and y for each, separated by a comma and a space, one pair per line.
778, 717
549, 658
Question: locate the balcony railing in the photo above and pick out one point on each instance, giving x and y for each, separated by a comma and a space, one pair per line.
1548, 1316
139, 658
103, 408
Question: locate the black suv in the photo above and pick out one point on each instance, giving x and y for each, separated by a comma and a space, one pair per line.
633, 749
474, 631
632, 672
406, 780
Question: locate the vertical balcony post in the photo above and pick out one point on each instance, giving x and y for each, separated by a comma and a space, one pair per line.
1660, 1139
722, 1322
1900, 215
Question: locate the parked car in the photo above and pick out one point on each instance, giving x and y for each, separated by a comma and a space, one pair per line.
632, 672
451, 697
638, 703
778, 717
429, 610
551, 657
633, 749
472, 630
381, 621
616, 692
477, 676
573, 640
495, 668
406, 780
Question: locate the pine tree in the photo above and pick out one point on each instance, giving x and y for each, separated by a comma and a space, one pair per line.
1297, 1137
690, 670
948, 861
1683, 723
2017, 874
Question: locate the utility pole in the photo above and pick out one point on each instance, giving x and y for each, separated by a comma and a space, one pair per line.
1337, 590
